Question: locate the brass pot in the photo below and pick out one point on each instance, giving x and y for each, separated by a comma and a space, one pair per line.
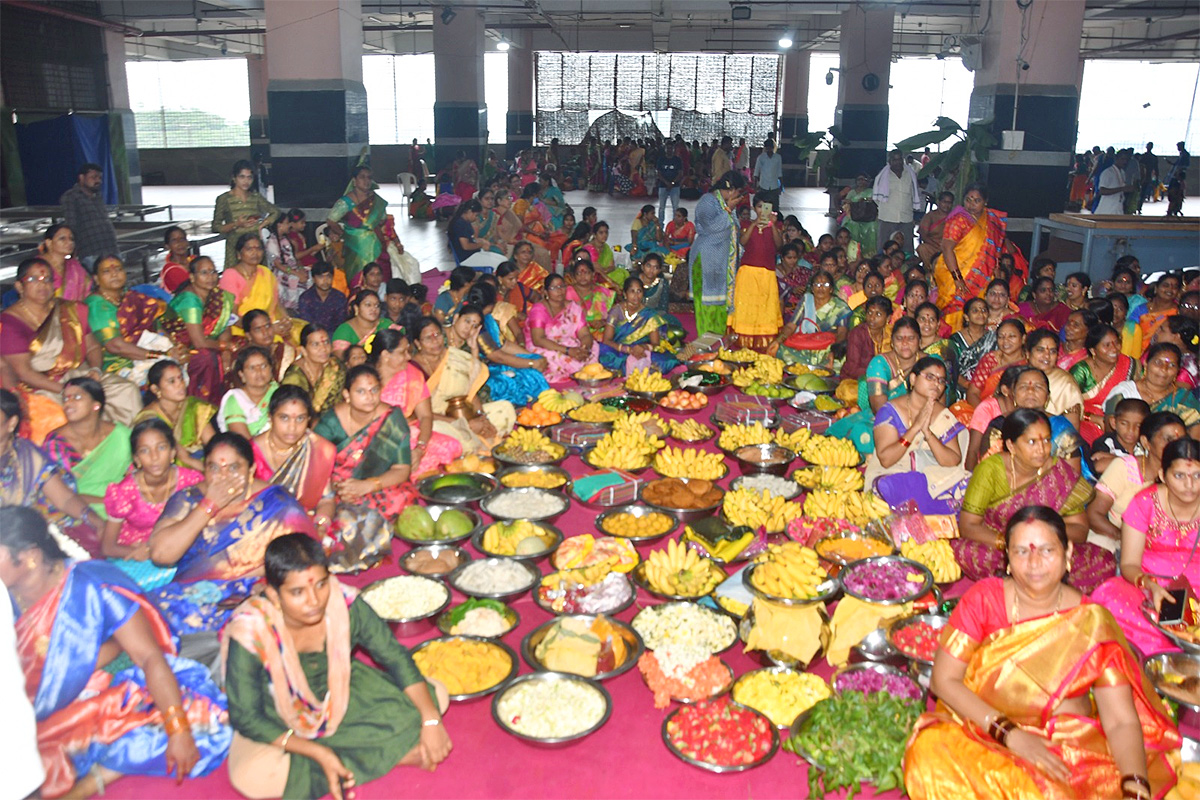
460, 408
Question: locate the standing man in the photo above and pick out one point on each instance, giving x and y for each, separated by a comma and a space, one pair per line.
1114, 185
720, 159
87, 217
1149, 169
768, 175
1179, 164
898, 199
670, 174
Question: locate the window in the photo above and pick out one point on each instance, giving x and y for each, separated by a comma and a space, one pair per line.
201, 103
1129, 103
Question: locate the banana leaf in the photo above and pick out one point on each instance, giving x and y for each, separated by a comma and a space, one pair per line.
838, 135
921, 140
946, 122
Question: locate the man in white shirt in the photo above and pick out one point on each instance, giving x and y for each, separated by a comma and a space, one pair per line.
898, 199
20, 763
768, 175
1113, 186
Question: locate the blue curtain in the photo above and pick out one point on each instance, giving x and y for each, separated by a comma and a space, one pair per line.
53, 149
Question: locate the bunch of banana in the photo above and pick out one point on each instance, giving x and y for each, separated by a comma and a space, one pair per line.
528, 440
644, 379
936, 555
736, 436
595, 412
830, 451
788, 570
858, 508
678, 570
743, 354
759, 509
626, 448
793, 441
689, 430
675, 462
554, 400
641, 419
766, 370
835, 479
583, 576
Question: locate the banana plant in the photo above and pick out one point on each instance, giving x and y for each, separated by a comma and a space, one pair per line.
826, 159
958, 163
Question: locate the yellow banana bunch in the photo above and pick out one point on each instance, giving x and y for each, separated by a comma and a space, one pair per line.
858, 508
639, 419
760, 509
554, 400
736, 436
788, 570
830, 451
595, 412
689, 430
835, 479
766, 370
794, 441
644, 379
675, 462
626, 448
744, 354
530, 440
584, 576
936, 555
679, 570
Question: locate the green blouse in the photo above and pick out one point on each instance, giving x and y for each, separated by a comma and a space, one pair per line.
346, 333
381, 723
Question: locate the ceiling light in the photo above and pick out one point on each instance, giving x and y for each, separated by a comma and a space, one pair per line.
739, 13
502, 46
624, 25
785, 42
448, 15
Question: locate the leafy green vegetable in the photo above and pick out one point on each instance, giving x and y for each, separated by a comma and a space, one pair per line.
460, 611
856, 737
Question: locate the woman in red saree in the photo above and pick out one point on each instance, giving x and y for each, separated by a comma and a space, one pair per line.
1098, 374
373, 460
1039, 694
157, 715
1009, 352
972, 241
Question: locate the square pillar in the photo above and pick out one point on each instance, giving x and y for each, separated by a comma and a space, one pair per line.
862, 110
459, 111
519, 124
793, 123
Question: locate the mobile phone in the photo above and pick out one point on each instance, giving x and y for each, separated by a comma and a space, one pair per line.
1171, 612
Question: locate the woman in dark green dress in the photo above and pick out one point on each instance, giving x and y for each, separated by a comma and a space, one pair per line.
327, 721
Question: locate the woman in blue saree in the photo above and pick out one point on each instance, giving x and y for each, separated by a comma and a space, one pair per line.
110, 696
514, 373
647, 234
215, 534
632, 334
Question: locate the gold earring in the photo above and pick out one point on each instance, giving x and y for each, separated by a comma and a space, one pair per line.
1008, 569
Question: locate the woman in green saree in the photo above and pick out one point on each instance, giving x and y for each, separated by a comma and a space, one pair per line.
317, 371
632, 334
308, 718
357, 218
373, 459
95, 452
884, 381
123, 321
190, 418
199, 317
862, 234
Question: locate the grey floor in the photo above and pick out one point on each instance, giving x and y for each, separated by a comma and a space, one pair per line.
427, 240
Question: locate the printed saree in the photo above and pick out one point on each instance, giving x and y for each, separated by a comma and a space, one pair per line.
135, 315
596, 302
369, 453
631, 331
359, 221
214, 314
194, 418
88, 715
107, 463
977, 247
1025, 670
1096, 390
405, 390
327, 391
713, 263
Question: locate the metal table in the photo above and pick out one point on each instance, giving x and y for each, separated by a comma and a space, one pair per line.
1160, 243
22, 213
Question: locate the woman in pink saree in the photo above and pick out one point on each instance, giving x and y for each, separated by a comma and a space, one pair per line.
557, 330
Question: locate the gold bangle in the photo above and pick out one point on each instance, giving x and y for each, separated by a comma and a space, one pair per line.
174, 721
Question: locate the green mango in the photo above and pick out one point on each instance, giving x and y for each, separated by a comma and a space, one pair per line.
415, 522
452, 480
453, 523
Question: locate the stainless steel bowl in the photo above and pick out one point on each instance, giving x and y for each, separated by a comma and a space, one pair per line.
508, 458
881, 669
633, 644
875, 648
535, 469
550, 676
770, 423
556, 538
1165, 672
826, 591
860, 535
711, 433
637, 510
710, 389
772, 459
617, 609
912, 566
653, 396
797, 726
459, 553
488, 505
791, 393
688, 701
650, 611
1184, 644
900, 623
409, 626
687, 514
777, 658
793, 490
535, 576
484, 485
514, 663
510, 615
436, 510
722, 476
639, 578
733, 690
720, 769
681, 412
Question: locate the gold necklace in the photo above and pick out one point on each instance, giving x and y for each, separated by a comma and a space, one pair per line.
275, 451
1016, 606
148, 489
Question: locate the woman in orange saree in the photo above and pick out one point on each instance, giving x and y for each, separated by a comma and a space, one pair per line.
972, 241
1040, 696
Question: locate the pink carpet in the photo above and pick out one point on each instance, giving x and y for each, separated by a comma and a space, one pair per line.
624, 759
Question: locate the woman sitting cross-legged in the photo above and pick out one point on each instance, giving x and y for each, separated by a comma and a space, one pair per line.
1025, 474
514, 373
557, 330
110, 695
199, 317
309, 718
1038, 693
631, 333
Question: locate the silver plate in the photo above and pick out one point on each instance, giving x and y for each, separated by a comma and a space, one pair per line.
551, 676
485, 485
535, 576
900, 623
410, 626
1186, 665
436, 510
854, 535
462, 554
549, 469
724, 473
685, 701
545, 606
443, 623
637, 510
488, 504
826, 590
716, 613
686, 514
512, 670
633, 644
555, 534
913, 566
721, 769
882, 669
1183, 644
773, 671
589, 460
639, 578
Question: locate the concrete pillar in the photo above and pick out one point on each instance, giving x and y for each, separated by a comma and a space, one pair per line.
519, 124
260, 129
1032, 181
862, 110
459, 111
794, 122
315, 98
122, 129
